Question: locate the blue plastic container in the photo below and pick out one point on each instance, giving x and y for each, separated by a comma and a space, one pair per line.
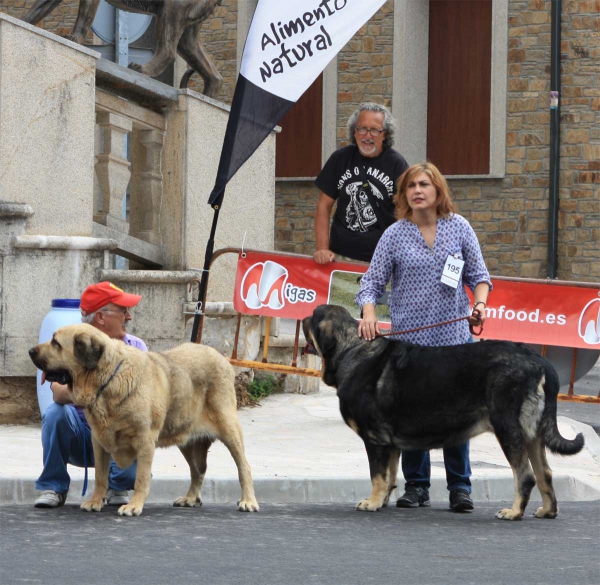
63, 312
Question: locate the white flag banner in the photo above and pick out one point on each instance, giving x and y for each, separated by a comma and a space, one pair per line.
289, 44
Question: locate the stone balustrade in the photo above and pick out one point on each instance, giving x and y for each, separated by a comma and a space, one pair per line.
124, 128
112, 169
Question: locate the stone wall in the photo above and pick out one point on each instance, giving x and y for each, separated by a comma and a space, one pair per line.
511, 215
294, 216
579, 220
219, 36
59, 22
18, 401
365, 67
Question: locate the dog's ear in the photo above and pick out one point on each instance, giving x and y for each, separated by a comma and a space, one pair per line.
325, 337
329, 376
88, 350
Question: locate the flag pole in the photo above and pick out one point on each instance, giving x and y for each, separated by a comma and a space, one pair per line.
259, 102
201, 302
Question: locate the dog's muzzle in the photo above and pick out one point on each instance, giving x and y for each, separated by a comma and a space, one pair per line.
60, 376
35, 358
309, 349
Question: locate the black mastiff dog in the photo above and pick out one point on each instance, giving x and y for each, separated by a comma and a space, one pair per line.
396, 396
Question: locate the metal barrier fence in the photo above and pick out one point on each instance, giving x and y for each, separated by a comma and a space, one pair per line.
578, 367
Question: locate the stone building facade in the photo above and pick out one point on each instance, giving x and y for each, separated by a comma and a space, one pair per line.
509, 207
509, 213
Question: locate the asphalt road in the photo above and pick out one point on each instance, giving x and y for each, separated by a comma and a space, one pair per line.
298, 544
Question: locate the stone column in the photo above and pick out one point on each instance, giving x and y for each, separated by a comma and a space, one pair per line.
113, 170
146, 198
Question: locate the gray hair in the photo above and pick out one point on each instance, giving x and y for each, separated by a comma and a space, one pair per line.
89, 317
389, 124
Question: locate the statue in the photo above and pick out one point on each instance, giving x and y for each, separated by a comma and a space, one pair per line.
178, 25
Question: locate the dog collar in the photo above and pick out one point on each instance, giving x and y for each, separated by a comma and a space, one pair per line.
101, 389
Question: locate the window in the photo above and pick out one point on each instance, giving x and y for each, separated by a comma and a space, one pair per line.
469, 46
459, 86
299, 145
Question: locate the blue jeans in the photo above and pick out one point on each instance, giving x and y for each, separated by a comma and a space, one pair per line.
416, 467
65, 439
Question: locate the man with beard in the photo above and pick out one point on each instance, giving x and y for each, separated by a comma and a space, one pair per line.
66, 435
361, 177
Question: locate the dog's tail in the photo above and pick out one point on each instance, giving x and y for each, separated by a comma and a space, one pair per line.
552, 437
557, 443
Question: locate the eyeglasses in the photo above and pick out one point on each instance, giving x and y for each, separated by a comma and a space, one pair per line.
124, 311
375, 132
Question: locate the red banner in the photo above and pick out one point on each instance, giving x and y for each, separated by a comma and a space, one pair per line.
544, 314
292, 287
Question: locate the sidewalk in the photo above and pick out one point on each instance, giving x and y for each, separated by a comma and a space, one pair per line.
301, 451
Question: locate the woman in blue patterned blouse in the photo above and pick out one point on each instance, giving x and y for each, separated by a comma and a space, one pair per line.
429, 254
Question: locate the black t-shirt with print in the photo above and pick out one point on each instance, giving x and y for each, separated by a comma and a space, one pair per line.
355, 229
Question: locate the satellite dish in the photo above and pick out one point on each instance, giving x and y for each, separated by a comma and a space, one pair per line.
104, 23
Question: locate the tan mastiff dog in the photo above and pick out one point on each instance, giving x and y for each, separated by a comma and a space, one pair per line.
136, 401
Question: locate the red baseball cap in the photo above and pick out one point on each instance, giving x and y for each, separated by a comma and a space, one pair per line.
103, 293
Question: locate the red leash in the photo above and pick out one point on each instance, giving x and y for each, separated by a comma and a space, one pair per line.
474, 321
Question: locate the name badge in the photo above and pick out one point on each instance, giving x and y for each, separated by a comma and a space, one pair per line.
452, 270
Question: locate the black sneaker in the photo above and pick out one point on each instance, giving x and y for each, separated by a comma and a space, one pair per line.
414, 497
460, 500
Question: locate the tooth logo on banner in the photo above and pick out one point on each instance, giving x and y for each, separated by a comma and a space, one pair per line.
263, 285
589, 322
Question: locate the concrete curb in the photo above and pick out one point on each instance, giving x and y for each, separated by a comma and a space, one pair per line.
305, 491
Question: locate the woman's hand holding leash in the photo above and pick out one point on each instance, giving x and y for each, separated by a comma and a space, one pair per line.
477, 318
368, 328
479, 307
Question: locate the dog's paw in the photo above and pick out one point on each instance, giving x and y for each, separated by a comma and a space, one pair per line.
73, 39
136, 67
93, 505
508, 514
185, 502
248, 506
541, 512
368, 506
130, 510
